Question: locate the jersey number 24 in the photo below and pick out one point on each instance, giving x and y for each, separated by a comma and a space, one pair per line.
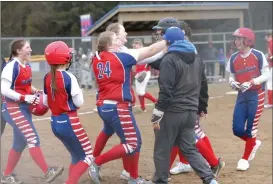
104, 69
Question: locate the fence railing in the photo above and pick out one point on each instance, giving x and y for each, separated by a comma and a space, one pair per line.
200, 40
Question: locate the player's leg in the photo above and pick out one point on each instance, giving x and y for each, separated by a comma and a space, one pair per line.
255, 108
204, 147
145, 83
120, 118
19, 144
188, 148
239, 121
165, 139
74, 137
182, 166
269, 91
140, 91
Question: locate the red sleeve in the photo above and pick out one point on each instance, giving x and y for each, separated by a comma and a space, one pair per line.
270, 48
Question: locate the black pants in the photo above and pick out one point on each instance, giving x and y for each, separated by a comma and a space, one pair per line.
210, 69
222, 70
178, 128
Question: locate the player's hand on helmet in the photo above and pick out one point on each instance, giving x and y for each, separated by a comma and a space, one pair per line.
234, 85
31, 99
246, 85
156, 118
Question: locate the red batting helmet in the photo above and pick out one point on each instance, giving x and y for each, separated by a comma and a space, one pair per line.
38, 109
58, 53
246, 33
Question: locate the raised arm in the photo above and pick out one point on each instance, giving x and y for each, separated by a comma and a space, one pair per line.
150, 51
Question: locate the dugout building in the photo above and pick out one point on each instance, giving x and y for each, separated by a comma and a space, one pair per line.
138, 20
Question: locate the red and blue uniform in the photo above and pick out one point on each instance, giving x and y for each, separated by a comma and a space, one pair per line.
17, 114
249, 104
115, 97
65, 122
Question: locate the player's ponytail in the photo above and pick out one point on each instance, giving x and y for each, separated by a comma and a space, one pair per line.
15, 45
53, 69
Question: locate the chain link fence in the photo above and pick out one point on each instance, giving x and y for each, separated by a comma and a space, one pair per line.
219, 41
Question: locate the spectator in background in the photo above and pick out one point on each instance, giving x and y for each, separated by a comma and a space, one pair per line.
209, 54
86, 75
222, 62
231, 51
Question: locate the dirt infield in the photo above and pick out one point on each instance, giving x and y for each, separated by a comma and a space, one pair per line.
217, 126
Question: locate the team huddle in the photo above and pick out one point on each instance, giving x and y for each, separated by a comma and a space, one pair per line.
182, 102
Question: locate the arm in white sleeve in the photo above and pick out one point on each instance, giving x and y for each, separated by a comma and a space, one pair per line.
45, 99
152, 59
7, 92
76, 91
231, 77
263, 77
264, 72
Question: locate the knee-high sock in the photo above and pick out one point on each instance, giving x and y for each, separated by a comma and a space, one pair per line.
133, 163
250, 143
13, 159
182, 158
126, 163
76, 173
100, 143
38, 157
150, 97
206, 153
116, 152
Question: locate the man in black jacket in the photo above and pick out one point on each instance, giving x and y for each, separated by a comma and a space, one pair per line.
202, 141
175, 113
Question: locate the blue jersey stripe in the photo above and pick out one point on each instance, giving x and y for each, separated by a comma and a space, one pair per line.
67, 83
15, 74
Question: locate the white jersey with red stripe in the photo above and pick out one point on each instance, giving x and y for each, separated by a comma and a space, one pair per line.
19, 75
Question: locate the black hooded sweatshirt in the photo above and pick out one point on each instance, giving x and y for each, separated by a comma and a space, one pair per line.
182, 81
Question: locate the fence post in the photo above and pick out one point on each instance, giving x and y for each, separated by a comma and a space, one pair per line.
225, 45
73, 56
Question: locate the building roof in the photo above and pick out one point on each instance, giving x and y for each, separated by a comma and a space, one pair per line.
112, 16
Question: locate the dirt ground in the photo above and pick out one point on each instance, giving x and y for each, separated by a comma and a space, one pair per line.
217, 126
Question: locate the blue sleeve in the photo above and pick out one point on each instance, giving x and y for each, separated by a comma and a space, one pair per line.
67, 83
15, 74
126, 59
232, 58
259, 57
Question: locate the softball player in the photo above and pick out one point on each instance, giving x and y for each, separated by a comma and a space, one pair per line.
142, 77
18, 93
104, 135
268, 38
112, 70
249, 71
64, 97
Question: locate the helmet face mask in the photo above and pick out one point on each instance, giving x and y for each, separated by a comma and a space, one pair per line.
163, 25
